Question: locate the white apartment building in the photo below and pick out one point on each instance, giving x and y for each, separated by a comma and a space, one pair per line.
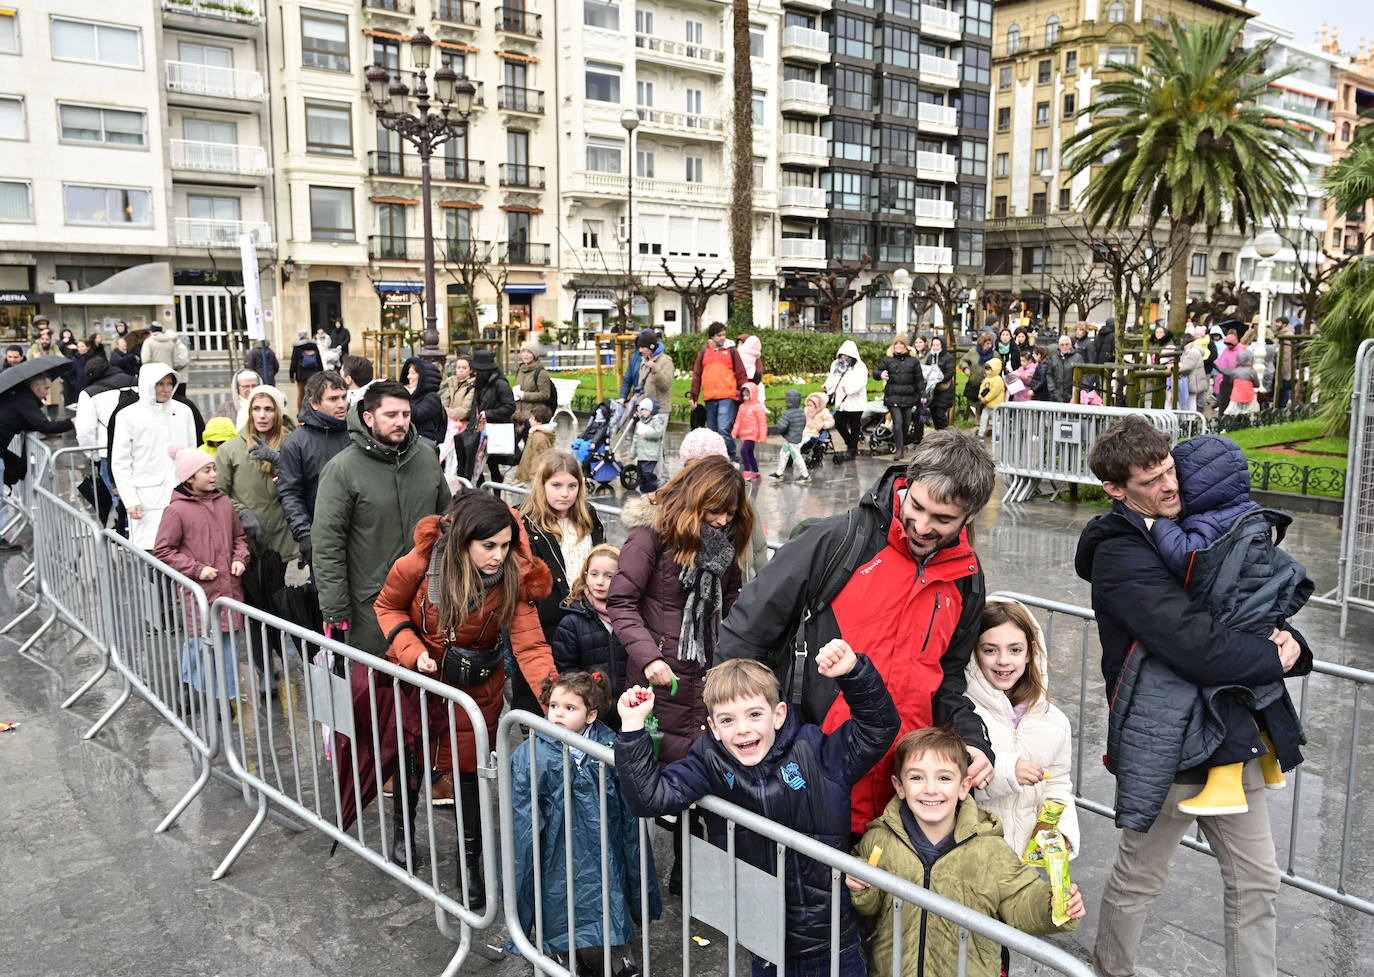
135, 142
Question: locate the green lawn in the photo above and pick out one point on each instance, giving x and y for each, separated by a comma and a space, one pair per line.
1259, 437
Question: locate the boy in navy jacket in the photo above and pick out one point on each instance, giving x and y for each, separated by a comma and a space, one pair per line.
762, 758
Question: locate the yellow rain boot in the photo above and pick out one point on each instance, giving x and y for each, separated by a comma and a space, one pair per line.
1269, 766
1222, 794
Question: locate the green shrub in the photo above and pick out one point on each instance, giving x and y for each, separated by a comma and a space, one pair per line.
784, 352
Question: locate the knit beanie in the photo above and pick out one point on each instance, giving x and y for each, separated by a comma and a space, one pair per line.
701, 443
188, 461
647, 339
646, 403
900, 338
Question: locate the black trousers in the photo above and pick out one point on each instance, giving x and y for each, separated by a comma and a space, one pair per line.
847, 423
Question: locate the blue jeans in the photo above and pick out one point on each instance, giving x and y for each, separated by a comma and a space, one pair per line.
720, 417
818, 965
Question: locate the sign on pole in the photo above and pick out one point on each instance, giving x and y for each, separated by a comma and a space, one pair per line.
252, 289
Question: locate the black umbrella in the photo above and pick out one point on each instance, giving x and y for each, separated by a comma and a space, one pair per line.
42, 366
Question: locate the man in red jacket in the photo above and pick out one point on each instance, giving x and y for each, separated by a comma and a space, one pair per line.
717, 379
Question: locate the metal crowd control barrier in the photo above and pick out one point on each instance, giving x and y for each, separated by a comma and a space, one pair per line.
300, 754
745, 903
1034, 440
1323, 761
1355, 574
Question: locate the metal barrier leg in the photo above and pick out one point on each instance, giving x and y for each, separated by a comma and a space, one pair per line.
243, 841
22, 614
187, 798
125, 692
464, 940
42, 630
90, 682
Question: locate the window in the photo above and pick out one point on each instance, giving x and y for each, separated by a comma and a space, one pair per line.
999, 261
895, 195
1034, 260
1013, 38
898, 146
1051, 31
12, 124
115, 127
603, 156
602, 14
1064, 199
760, 169
644, 21
391, 227
756, 106
1042, 113
85, 40
896, 244
328, 127
644, 163
1042, 160
694, 102
977, 65
1043, 70
694, 30
972, 201
1004, 79
209, 208
387, 53
324, 41
999, 206
973, 157
1003, 167
1197, 267
1159, 20
603, 83
1345, 132
1004, 119
84, 204
1070, 105
848, 241
1121, 54
458, 227
9, 37
331, 214
972, 110
899, 97
758, 33
978, 18
968, 250
695, 169
1070, 62
15, 201
851, 88
846, 190
850, 36
896, 46
591, 234
644, 94
1116, 13
1037, 205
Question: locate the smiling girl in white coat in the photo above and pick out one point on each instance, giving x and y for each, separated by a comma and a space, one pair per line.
1007, 683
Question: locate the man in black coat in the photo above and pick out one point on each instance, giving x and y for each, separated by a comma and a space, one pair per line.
321, 434
21, 410
1106, 341
1141, 607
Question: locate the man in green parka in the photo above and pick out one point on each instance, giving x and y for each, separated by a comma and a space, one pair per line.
371, 496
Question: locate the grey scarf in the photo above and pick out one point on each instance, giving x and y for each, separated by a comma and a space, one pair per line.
702, 596
436, 559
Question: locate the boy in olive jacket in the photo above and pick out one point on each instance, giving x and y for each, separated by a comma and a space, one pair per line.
933, 834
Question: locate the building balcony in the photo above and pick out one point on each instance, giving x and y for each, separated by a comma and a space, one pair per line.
935, 211
679, 54
404, 9
801, 252
799, 149
235, 11
936, 166
390, 247
510, 98
522, 253
813, 5
195, 232
805, 97
939, 22
519, 22
613, 186
939, 71
805, 44
522, 175
188, 78
801, 202
938, 118
457, 13
406, 166
928, 258
704, 126
216, 157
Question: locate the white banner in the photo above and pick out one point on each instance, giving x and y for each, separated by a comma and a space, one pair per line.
252, 289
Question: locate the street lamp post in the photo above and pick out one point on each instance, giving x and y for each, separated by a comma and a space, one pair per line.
901, 284
1046, 177
629, 121
426, 129
1266, 246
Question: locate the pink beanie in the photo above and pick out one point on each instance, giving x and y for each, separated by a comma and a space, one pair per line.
188, 461
701, 443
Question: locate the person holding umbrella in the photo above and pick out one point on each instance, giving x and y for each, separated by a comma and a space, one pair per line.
24, 388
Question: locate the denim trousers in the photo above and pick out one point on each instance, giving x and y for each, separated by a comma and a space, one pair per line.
720, 417
817, 965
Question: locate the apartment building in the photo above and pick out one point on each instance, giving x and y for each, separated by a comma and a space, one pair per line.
349, 200
136, 153
1353, 78
1049, 56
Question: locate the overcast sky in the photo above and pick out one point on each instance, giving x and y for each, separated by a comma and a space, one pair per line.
1353, 17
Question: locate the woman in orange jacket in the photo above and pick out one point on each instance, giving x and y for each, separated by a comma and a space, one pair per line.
443, 608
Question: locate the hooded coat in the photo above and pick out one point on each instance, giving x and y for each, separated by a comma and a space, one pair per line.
1106, 341
304, 454
139, 463
980, 871
262, 361
585, 643
751, 355
818, 416
496, 399
548, 550
993, 390
792, 421
250, 488
371, 496
849, 387
306, 359
426, 406
199, 530
621, 847
906, 384
97, 402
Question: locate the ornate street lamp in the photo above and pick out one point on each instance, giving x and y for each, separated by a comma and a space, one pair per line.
426, 128
1266, 245
629, 121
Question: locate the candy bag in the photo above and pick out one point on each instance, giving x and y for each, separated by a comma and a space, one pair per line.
1048, 820
1056, 860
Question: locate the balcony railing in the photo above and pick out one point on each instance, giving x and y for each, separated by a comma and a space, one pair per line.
679, 51
242, 11
190, 78
394, 247
682, 121
927, 255
522, 253
935, 209
513, 99
407, 166
937, 115
794, 89
522, 175
517, 20
800, 143
404, 7
195, 232
464, 12
801, 197
801, 248
938, 67
807, 39
939, 18
939, 162
216, 157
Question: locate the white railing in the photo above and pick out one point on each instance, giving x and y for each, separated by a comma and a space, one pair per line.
216, 157
243, 11
806, 37
680, 50
802, 248
196, 232
203, 79
935, 209
939, 17
615, 185
801, 197
937, 115
939, 67
682, 121
926, 255
801, 143
805, 91
939, 162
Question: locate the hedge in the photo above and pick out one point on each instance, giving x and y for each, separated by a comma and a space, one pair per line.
785, 353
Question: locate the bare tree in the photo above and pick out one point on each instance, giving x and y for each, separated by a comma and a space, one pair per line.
1317, 277
1075, 286
1228, 301
835, 286
948, 293
466, 263
997, 303
237, 312
742, 162
696, 291
1135, 260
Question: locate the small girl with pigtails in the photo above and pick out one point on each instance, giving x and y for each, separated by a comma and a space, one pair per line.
573, 701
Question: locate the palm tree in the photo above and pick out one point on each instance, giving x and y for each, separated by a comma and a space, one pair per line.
1184, 135
742, 166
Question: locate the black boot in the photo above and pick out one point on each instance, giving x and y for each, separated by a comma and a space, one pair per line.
472, 843
398, 813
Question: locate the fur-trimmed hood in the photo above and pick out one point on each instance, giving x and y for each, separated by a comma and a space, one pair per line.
639, 512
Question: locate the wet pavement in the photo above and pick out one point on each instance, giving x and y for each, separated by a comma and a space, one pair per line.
90, 889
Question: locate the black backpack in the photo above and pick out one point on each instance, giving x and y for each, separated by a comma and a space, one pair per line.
553, 390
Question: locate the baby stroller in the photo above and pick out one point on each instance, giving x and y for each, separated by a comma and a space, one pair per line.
815, 450
600, 464
593, 436
876, 427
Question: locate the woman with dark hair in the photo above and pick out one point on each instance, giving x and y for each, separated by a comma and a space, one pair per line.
493, 398
1021, 347
426, 408
443, 608
940, 397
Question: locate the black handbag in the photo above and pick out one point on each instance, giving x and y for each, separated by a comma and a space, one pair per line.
469, 666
